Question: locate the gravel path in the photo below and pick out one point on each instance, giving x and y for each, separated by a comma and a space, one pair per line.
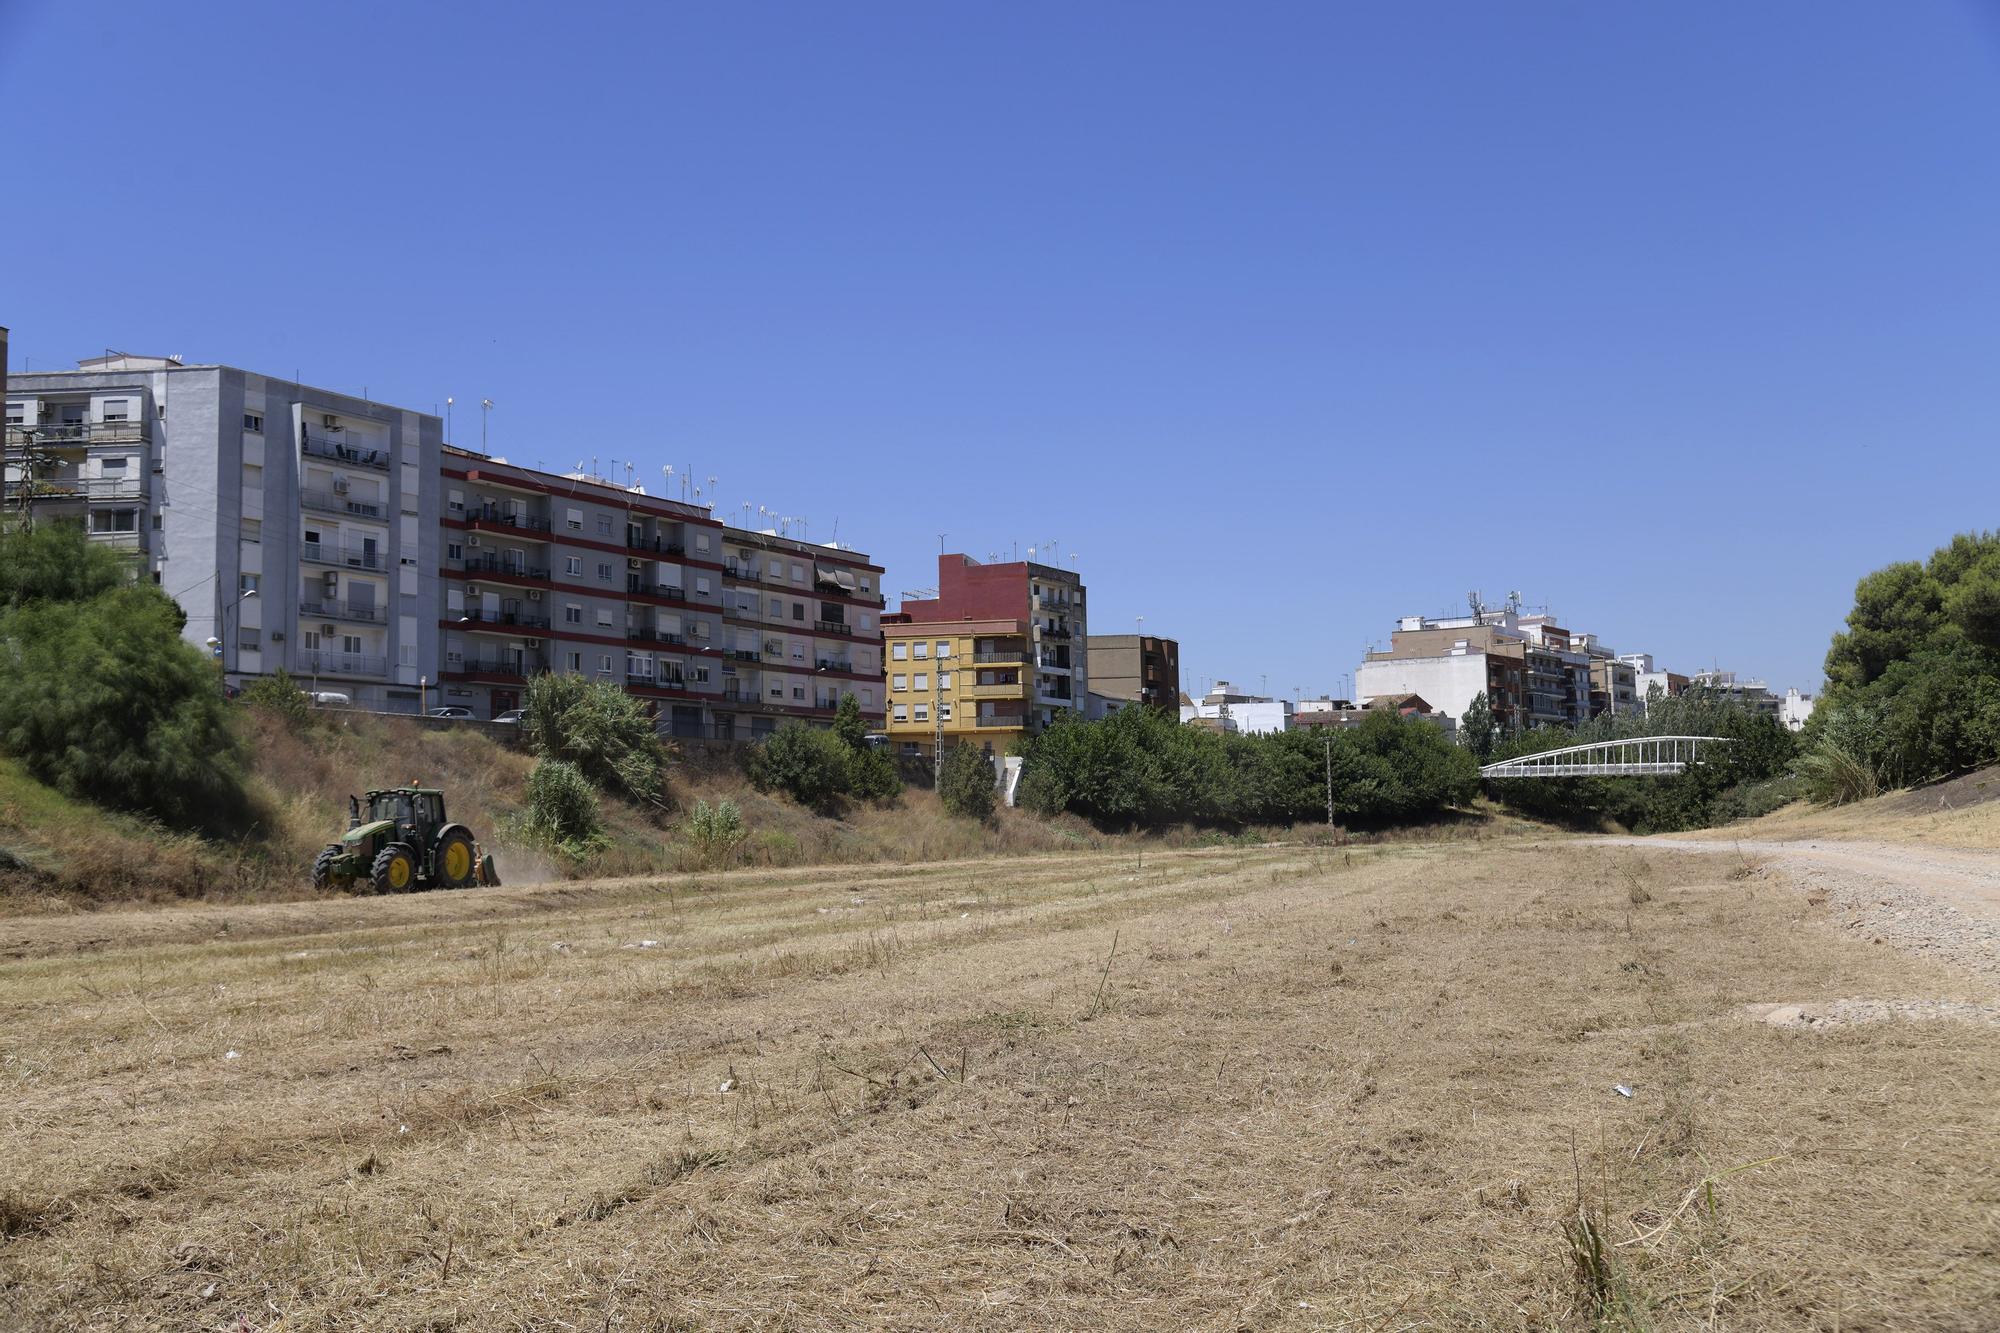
1941, 903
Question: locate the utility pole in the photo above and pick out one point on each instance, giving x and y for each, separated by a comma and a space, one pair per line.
937, 724
1329, 778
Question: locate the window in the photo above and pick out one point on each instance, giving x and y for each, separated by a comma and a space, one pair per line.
249, 637
572, 614
117, 465
899, 682
944, 680
603, 618
311, 639
798, 573
115, 520
117, 409
604, 664
921, 681
923, 713
701, 541
457, 502
944, 648
156, 528
798, 692
251, 528
864, 586
777, 569
901, 714
698, 674
944, 712
603, 572
573, 519
604, 524
923, 650
350, 643
247, 583
867, 698
701, 584
576, 662
253, 475
454, 551
573, 564
312, 536
898, 651
867, 621
253, 421
777, 607
798, 610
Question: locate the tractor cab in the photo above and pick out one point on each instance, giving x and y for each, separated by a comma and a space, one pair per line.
401, 839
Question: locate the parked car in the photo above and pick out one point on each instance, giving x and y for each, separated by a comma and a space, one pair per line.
511, 717
450, 710
330, 699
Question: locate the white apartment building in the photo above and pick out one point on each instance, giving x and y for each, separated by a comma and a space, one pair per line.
294, 526
1794, 709
1249, 714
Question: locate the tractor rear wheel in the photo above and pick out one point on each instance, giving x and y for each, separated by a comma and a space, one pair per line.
454, 862
395, 870
322, 872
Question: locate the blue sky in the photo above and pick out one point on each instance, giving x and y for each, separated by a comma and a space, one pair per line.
1285, 319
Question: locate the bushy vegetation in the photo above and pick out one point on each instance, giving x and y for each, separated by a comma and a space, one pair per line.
1141, 768
279, 694
597, 727
562, 814
1730, 781
713, 832
1913, 682
965, 784
99, 696
822, 768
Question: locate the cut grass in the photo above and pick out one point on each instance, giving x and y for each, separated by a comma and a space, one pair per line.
1371, 1090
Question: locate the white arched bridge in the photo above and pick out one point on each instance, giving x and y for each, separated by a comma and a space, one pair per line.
1638, 757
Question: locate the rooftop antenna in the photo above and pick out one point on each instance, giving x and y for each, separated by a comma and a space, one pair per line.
1514, 602
485, 410
447, 416
941, 537
1478, 610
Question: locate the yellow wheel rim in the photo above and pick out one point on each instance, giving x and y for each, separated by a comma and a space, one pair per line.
457, 861
399, 872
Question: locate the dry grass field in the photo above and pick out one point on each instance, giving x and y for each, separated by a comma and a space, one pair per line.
1366, 1089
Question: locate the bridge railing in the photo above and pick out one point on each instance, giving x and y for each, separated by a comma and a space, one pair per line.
1632, 757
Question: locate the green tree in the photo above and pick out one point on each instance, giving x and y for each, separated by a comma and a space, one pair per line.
966, 783
1477, 729
807, 763
871, 771
57, 562
279, 695
562, 811
605, 732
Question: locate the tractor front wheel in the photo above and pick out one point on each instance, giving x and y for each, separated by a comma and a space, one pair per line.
455, 864
322, 872
395, 870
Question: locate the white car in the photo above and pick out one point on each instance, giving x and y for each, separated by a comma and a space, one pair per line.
450, 710
511, 717
331, 699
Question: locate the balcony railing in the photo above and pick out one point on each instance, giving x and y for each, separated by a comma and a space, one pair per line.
352, 557
514, 668
833, 627
332, 446
76, 488
367, 615
503, 619
744, 655
1003, 655
740, 694
659, 545
333, 502
1002, 719
489, 564
324, 663
524, 523
655, 636
666, 590
1055, 633
71, 434
834, 664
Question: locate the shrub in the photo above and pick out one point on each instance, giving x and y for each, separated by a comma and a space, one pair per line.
597, 727
99, 696
279, 695
966, 784
712, 832
809, 764
562, 808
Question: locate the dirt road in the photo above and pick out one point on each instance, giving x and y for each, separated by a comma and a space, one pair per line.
1940, 902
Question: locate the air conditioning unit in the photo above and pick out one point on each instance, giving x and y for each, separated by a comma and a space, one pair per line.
472, 592
326, 629
534, 594
340, 485
332, 582
473, 541
329, 421
630, 563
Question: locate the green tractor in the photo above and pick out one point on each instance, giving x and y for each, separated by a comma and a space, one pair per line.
404, 843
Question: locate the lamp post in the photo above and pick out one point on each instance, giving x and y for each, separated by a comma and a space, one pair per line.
217, 645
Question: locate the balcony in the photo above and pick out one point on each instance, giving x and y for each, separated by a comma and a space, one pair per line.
655, 636
1002, 719
744, 655
740, 571
481, 621
502, 668
1055, 633
325, 663
333, 502
350, 557
78, 434
666, 591
324, 445
834, 627
835, 664
76, 488
493, 564
336, 610
657, 545
1013, 655
526, 527
739, 694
